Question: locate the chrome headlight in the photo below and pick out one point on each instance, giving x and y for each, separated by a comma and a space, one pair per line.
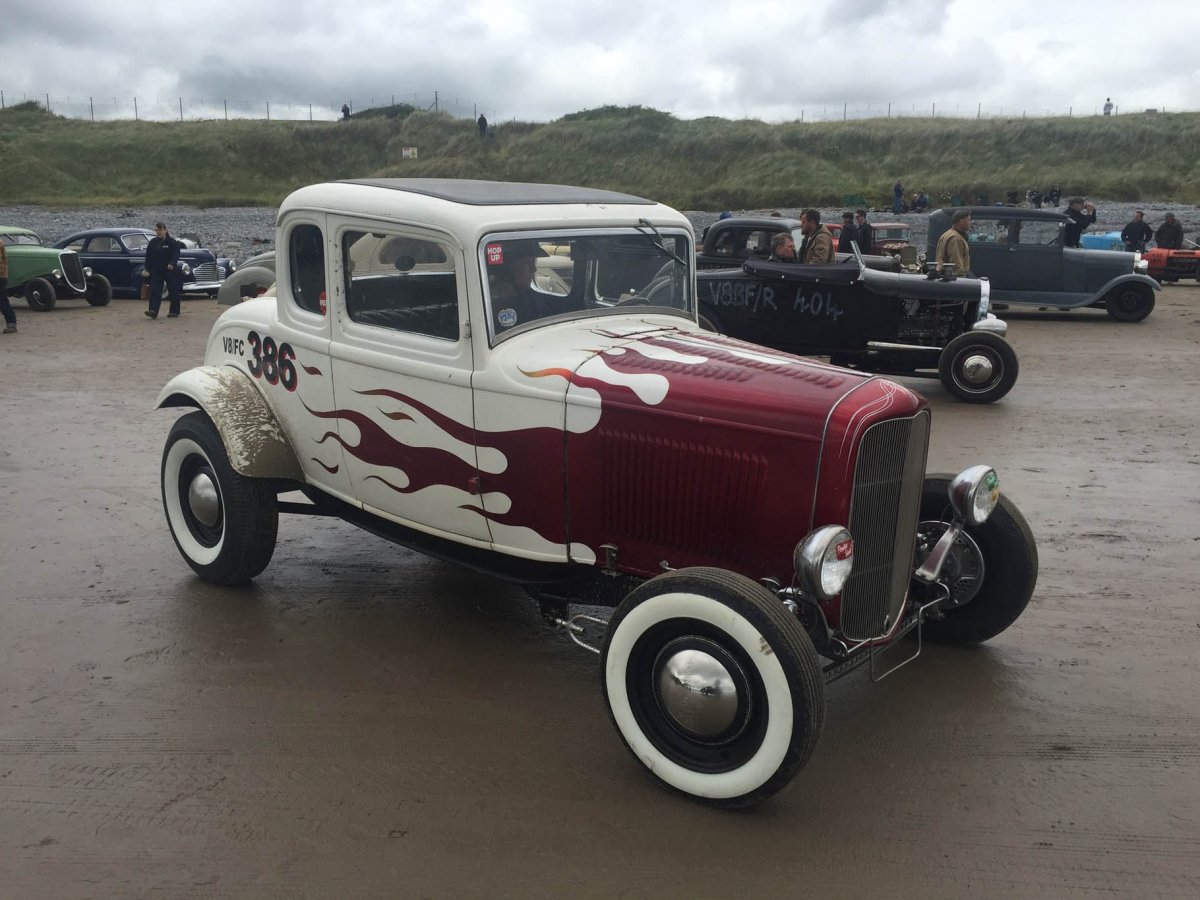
1141, 265
185, 268
87, 270
823, 561
974, 493
56, 274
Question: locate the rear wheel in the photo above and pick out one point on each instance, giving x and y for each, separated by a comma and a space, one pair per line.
99, 290
713, 685
1130, 302
39, 294
223, 523
991, 571
978, 367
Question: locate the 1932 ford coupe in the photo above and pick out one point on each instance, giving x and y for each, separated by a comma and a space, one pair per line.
512, 376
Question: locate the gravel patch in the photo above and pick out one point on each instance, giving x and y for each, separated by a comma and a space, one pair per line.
243, 231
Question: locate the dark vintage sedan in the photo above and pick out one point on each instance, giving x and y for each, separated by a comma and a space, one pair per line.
1021, 252
862, 318
119, 254
728, 242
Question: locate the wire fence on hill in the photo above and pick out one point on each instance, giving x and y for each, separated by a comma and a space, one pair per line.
185, 109
162, 109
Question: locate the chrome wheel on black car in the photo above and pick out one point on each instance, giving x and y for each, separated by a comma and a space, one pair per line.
978, 367
714, 685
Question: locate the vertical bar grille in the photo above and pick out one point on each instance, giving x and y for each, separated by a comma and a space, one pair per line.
888, 479
72, 270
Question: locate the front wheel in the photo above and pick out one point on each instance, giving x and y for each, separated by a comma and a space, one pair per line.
991, 571
39, 294
978, 367
713, 685
223, 523
99, 290
1130, 302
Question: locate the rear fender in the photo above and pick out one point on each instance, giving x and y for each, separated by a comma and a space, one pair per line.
256, 443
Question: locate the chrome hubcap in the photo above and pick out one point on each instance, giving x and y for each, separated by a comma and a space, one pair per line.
977, 369
697, 692
204, 500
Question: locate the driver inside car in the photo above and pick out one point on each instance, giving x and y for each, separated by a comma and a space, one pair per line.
511, 269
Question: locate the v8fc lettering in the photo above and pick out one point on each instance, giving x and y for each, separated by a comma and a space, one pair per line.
270, 361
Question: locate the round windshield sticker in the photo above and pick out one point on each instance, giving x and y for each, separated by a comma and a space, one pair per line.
507, 318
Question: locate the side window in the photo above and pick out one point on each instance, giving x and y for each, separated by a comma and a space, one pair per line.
1043, 234
77, 246
726, 242
103, 244
306, 261
399, 282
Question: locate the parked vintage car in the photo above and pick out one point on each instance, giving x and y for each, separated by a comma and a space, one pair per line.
252, 279
1020, 251
119, 254
729, 242
1169, 266
887, 238
745, 511
889, 322
225, 264
44, 274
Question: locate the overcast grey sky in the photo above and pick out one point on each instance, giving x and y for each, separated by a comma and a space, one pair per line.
768, 60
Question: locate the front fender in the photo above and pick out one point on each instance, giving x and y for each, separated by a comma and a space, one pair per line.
1125, 279
254, 440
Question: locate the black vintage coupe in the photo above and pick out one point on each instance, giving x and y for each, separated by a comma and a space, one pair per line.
119, 254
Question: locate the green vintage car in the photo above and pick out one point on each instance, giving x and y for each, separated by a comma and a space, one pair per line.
43, 274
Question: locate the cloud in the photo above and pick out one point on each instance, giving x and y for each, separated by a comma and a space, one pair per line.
514, 60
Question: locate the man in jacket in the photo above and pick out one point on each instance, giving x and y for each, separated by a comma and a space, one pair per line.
817, 247
1136, 233
1082, 214
953, 252
848, 234
162, 267
1170, 234
866, 234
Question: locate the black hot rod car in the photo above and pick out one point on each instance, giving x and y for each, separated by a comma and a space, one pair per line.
862, 318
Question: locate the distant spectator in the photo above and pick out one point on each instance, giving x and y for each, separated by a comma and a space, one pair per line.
783, 248
1080, 220
1053, 195
866, 234
817, 248
953, 254
922, 201
898, 197
1034, 198
345, 111
1108, 107
482, 123
1169, 234
849, 233
724, 215
1136, 233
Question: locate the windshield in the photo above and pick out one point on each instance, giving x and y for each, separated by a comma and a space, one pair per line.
584, 273
23, 239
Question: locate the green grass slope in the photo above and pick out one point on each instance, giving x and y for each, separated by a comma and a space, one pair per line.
707, 163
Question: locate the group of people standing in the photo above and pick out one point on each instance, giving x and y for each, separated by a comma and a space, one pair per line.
817, 247
1138, 233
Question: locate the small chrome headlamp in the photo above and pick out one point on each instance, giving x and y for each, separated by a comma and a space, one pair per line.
87, 270
974, 493
823, 561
